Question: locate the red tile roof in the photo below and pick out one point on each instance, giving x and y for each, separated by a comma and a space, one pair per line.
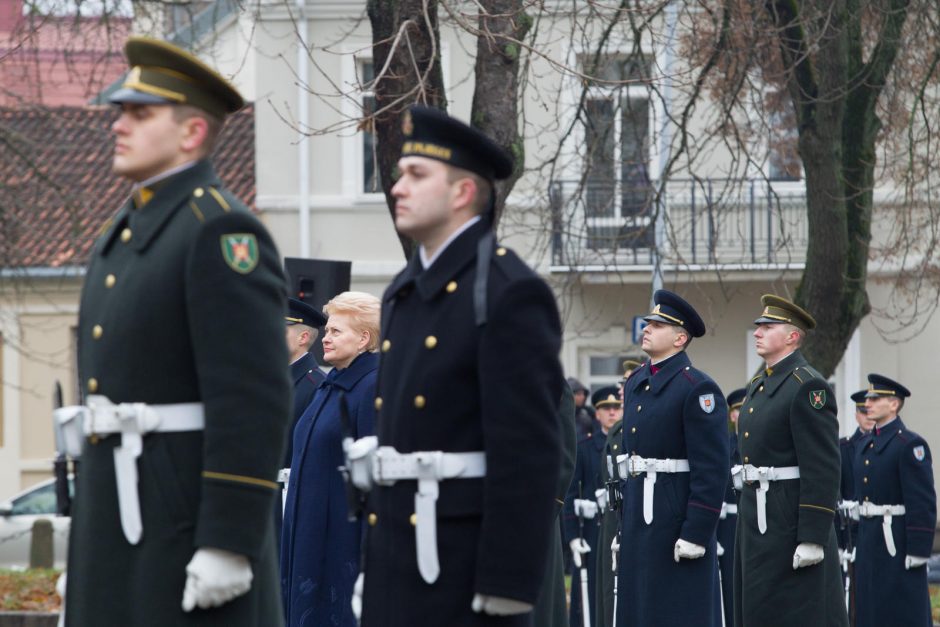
56, 185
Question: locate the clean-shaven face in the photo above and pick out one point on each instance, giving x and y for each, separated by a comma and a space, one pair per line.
147, 141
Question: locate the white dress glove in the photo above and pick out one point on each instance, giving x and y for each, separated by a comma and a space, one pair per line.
807, 554
585, 508
357, 596
60, 584
720, 550
498, 606
600, 495
215, 577
687, 550
912, 561
579, 547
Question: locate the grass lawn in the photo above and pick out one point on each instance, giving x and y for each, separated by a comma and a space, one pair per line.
29, 590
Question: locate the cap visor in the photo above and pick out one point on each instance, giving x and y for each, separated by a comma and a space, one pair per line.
126, 94
763, 320
658, 318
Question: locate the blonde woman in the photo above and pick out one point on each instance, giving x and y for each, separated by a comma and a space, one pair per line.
319, 546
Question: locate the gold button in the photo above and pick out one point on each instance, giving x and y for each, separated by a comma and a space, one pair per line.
746, 459
616, 447
451, 287
97, 331
864, 479
413, 519
92, 385
373, 519
866, 498
110, 280
872, 445
760, 389
632, 429
500, 251
420, 401
639, 407
750, 410
93, 438
378, 402
126, 235
386, 346
866, 462
430, 342
647, 387
746, 434
198, 192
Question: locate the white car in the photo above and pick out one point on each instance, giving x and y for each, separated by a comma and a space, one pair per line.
17, 516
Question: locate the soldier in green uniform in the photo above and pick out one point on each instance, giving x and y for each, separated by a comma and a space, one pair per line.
786, 570
610, 520
181, 355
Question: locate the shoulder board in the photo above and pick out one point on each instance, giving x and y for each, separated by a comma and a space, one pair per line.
796, 375
753, 379
208, 202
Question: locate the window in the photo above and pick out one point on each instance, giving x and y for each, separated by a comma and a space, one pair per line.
607, 370
371, 184
618, 192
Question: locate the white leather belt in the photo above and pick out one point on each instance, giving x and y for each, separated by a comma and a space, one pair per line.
728, 509
101, 417
748, 474
429, 468
849, 508
633, 465
887, 512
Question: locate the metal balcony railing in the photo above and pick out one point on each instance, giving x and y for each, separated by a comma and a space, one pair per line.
706, 222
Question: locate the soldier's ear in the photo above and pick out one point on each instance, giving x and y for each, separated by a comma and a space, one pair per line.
195, 134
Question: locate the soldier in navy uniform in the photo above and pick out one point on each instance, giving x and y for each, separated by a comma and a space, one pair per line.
675, 445
847, 520
897, 514
469, 365
786, 559
303, 324
728, 521
610, 517
582, 514
181, 311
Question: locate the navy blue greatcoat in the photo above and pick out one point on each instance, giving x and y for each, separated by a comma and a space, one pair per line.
447, 384
319, 546
678, 413
586, 479
307, 376
726, 530
893, 466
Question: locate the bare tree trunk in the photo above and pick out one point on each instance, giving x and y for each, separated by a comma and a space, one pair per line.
496, 89
834, 99
406, 55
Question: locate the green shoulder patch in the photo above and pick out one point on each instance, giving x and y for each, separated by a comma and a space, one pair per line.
240, 251
817, 398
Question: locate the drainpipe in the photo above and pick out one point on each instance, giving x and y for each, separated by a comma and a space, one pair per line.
665, 142
303, 121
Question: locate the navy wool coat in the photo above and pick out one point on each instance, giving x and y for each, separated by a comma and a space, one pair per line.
893, 466
726, 530
447, 384
678, 413
586, 479
320, 548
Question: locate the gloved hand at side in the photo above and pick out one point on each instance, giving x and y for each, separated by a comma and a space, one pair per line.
686, 550
498, 606
807, 554
579, 547
215, 577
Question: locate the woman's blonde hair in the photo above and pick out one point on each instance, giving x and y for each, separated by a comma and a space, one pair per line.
363, 309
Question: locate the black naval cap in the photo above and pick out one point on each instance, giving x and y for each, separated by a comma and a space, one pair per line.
605, 397
779, 310
431, 133
299, 312
736, 398
859, 398
672, 309
161, 73
879, 385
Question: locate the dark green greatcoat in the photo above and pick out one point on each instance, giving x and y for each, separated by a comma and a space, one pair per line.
165, 318
551, 609
610, 522
789, 419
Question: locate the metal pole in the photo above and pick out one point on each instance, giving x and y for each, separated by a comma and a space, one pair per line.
665, 144
303, 122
